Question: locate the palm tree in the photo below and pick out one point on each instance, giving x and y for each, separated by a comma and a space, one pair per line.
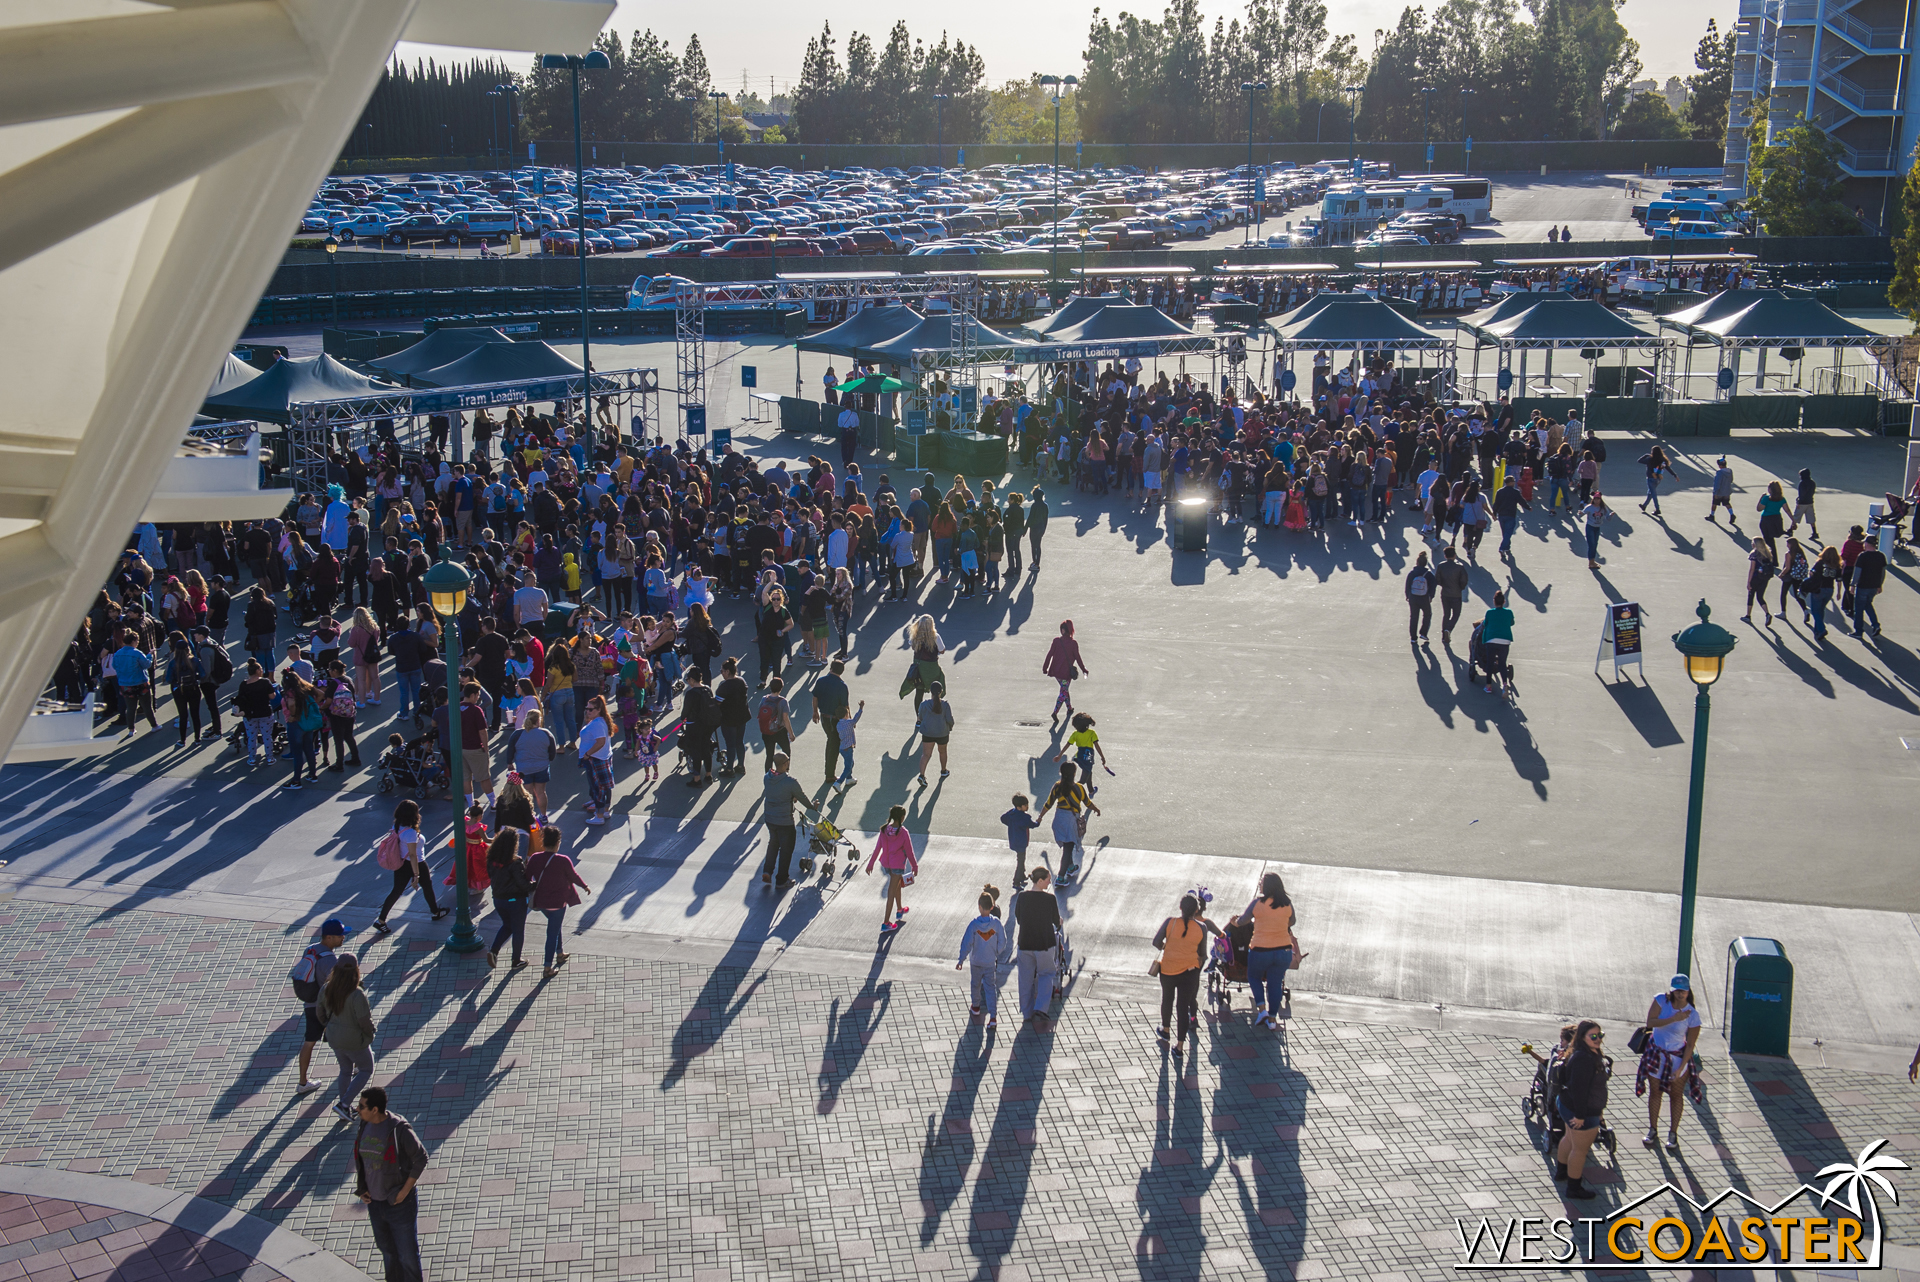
1853, 1178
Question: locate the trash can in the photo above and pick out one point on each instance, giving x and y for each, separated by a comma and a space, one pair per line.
1190, 525
1759, 997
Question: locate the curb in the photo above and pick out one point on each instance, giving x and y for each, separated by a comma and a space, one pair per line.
271, 1245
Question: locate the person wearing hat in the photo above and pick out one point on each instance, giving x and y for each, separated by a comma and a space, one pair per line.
309, 977
1673, 1022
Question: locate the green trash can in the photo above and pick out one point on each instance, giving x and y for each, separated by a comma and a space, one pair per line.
1759, 997
1190, 521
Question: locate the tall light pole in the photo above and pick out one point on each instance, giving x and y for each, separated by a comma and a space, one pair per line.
493, 122
1060, 86
594, 61
1250, 88
1426, 111
719, 147
1466, 139
1705, 647
940, 128
447, 584
1353, 157
333, 273
1319, 118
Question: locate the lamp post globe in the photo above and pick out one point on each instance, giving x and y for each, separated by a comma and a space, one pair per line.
1705, 647
447, 583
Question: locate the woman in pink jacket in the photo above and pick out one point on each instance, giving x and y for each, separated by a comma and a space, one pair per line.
1062, 661
893, 851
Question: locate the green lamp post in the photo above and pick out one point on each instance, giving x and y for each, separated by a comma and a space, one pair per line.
447, 583
1705, 647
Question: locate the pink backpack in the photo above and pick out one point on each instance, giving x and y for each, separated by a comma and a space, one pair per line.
389, 853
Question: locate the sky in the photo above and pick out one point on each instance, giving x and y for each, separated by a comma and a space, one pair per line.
766, 41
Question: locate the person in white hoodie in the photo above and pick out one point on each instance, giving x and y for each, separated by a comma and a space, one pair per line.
988, 945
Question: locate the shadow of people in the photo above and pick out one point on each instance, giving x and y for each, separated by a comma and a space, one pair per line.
947, 1151
850, 1030
1012, 1144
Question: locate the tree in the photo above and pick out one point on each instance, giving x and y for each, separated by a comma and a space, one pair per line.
816, 98
772, 134
1649, 117
1904, 292
1020, 112
1800, 181
1710, 92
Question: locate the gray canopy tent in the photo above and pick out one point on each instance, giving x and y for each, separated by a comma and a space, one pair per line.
499, 363
863, 329
291, 381
1354, 323
1737, 320
234, 373
1072, 312
441, 347
1548, 323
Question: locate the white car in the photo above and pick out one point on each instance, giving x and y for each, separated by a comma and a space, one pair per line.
360, 226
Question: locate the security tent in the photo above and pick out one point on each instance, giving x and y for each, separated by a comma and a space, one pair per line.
499, 363
1735, 320
863, 329
935, 341
1075, 310
1511, 305
1353, 323
1551, 322
291, 381
1119, 322
436, 349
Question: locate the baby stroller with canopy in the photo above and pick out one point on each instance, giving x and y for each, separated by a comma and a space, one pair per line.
1896, 511
823, 849
415, 765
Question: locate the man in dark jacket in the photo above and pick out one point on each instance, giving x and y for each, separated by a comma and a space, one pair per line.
409, 655
1453, 578
1507, 506
1869, 576
1421, 589
388, 1161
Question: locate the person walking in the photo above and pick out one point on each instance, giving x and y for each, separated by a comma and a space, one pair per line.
1823, 579
1063, 663
557, 886
848, 722
830, 699
1420, 588
1760, 572
1453, 577
1037, 926
987, 944
596, 759
1869, 578
402, 853
388, 1161
338, 699
1722, 493
1580, 1103
1508, 504
1803, 506
133, 672
1182, 942
893, 851
934, 719
1019, 824
1655, 461
731, 694
780, 793
1594, 515
1036, 524
309, 978
1673, 1027
507, 870
184, 677
1272, 950
1070, 801
346, 1021
300, 709
253, 701
774, 716
1772, 507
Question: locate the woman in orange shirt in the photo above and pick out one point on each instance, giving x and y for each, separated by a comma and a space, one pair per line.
1270, 955
1182, 942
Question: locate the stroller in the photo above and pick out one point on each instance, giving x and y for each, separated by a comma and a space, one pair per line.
237, 738
415, 765
1227, 965
1897, 510
1539, 1108
823, 850
1481, 658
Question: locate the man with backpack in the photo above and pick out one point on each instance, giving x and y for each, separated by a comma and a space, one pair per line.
1420, 590
309, 976
216, 669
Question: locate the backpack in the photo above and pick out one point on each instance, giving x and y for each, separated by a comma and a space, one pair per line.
389, 854
222, 665
1418, 585
1320, 486
768, 717
340, 702
306, 976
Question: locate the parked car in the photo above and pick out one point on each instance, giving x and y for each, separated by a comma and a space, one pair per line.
682, 249
360, 227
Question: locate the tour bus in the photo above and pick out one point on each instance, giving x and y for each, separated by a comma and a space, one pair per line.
1472, 197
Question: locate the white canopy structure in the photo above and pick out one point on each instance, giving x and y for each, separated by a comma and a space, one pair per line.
159, 156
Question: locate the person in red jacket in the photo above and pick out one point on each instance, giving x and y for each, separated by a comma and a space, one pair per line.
557, 886
1063, 658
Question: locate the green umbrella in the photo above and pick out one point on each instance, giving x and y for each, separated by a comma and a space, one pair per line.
874, 384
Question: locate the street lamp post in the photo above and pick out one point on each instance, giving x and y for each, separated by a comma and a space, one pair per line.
594, 61
1426, 136
1319, 118
1250, 88
507, 91
1353, 155
1466, 140
447, 584
940, 128
1705, 647
1060, 86
333, 274
719, 146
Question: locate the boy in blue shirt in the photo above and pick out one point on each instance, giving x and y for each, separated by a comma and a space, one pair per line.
1019, 823
987, 944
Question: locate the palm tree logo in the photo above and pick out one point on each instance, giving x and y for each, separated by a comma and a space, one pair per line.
1853, 1182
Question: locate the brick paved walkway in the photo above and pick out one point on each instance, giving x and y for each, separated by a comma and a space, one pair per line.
684, 1121
49, 1240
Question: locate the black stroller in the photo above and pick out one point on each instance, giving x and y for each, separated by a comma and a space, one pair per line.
1897, 511
1539, 1108
415, 765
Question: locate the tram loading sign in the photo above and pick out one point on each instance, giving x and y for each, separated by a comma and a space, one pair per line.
1620, 637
